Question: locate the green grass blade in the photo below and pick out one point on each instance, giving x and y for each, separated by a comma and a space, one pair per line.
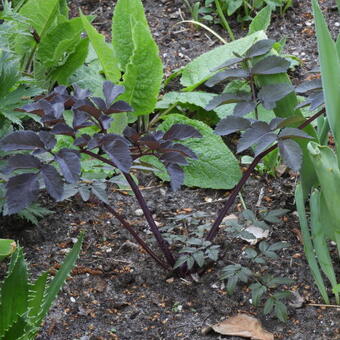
58, 281
319, 241
308, 245
330, 73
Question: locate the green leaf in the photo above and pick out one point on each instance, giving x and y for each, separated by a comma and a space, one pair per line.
58, 42
104, 52
127, 13
199, 70
330, 73
59, 279
268, 306
36, 295
73, 62
18, 329
7, 247
216, 167
308, 245
281, 311
14, 291
42, 16
261, 21
144, 72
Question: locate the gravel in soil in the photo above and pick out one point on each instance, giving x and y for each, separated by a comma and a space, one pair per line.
116, 291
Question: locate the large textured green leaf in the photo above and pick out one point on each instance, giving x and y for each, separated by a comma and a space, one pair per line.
73, 62
104, 52
144, 72
126, 14
58, 42
330, 73
199, 70
41, 15
216, 167
14, 291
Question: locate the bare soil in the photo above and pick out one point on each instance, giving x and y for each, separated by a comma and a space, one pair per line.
118, 292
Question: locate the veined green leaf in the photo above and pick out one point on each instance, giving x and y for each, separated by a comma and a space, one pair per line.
104, 52
330, 73
261, 21
41, 15
73, 62
61, 40
126, 14
199, 70
144, 72
216, 166
307, 243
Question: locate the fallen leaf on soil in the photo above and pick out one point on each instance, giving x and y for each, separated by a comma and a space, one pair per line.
258, 233
241, 325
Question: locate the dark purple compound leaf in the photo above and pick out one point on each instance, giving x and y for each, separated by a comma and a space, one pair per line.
80, 93
173, 157
81, 120
276, 122
41, 107
111, 92
106, 121
63, 129
158, 135
231, 124
53, 181
22, 161
118, 107
234, 73
82, 141
228, 63
264, 142
69, 162
131, 134
287, 133
270, 94
307, 86
100, 103
87, 106
21, 191
270, 65
120, 154
291, 153
252, 135
48, 139
21, 140
151, 142
243, 108
180, 132
95, 141
226, 98
316, 99
184, 150
176, 174
259, 48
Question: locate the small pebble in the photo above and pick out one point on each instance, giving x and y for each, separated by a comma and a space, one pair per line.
139, 212
337, 24
72, 299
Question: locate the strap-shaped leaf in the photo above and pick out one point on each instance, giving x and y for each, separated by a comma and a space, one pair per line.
36, 295
181, 132
260, 48
230, 125
69, 163
21, 191
21, 140
291, 153
252, 135
271, 65
53, 181
234, 73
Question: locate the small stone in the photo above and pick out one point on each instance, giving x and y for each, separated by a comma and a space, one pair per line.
139, 212
73, 300
337, 24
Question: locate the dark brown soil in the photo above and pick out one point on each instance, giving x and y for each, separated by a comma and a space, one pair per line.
116, 290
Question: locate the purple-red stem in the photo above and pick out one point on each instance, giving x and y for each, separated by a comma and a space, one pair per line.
214, 228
